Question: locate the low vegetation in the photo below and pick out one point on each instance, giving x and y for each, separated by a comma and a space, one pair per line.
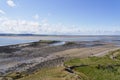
48, 41
69, 43
43, 42
102, 68
55, 73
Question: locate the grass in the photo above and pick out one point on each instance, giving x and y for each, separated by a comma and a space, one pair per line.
16, 75
48, 41
102, 68
56, 73
43, 42
69, 43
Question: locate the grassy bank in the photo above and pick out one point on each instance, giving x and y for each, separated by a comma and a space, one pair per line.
55, 73
94, 68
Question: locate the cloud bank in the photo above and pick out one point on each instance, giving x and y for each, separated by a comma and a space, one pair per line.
33, 27
8, 25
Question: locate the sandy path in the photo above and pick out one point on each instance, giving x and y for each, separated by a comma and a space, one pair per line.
105, 52
86, 52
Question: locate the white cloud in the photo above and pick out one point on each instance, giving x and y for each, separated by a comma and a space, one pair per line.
2, 12
22, 26
11, 3
44, 27
36, 16
18, 26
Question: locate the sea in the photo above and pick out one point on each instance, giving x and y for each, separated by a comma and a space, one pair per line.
12, 40
4, 41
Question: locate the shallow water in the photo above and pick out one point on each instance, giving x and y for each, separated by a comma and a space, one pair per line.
58, 43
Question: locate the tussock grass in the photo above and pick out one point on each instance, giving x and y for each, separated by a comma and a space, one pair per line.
102, 68
55, 73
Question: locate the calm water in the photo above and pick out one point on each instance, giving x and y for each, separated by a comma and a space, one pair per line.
17, 40
11, 41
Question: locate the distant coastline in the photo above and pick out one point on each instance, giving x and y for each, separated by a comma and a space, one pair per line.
9, 34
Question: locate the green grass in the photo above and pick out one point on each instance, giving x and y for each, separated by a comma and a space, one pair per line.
55, 73
48, 41
69, 43
102, 68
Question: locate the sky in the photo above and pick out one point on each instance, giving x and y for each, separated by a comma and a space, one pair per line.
60, 17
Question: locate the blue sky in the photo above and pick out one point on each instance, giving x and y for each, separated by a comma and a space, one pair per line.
80, 17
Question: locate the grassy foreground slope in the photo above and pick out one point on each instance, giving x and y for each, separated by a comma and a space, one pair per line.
55, 73
98, 68
92, 68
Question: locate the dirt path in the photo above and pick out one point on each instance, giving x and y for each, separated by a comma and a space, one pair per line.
105, 52
88, 51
